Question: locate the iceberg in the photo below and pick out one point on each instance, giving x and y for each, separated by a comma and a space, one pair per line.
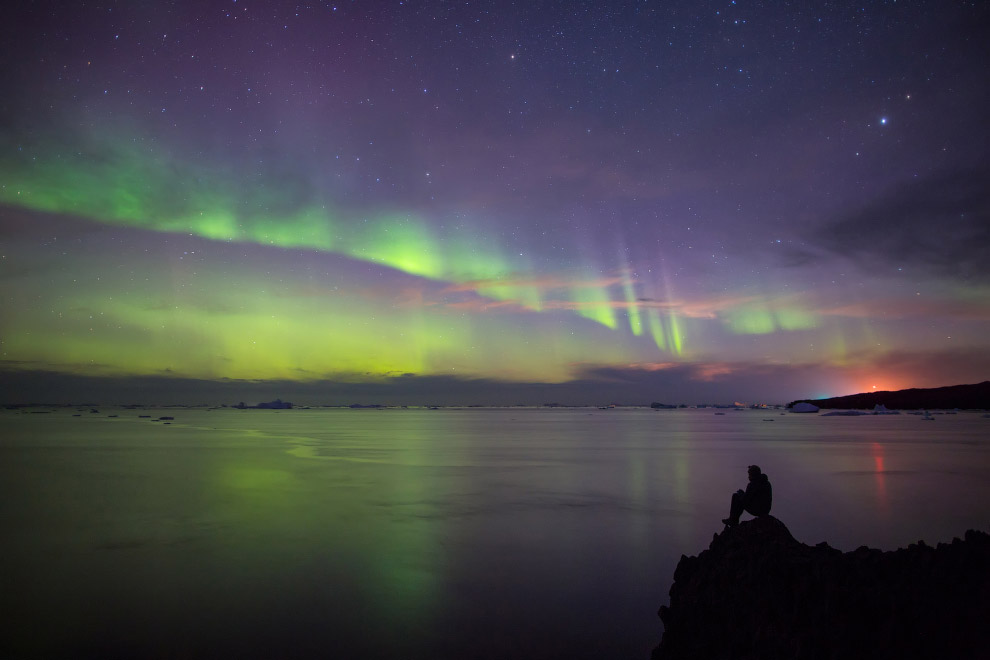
881, 409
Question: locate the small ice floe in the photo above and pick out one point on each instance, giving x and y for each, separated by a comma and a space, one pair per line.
804, 407
928, 417
845, 413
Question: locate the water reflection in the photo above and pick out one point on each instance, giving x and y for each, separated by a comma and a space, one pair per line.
880, 477
433, 534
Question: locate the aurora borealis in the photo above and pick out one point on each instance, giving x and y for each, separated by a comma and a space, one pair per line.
492, 202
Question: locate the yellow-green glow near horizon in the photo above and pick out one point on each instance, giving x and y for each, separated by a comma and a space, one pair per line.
246, 333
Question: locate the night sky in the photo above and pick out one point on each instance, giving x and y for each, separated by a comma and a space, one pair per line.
492, 202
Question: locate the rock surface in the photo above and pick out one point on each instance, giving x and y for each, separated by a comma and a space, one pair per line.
758, 593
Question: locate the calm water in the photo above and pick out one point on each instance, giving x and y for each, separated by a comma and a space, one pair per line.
427, 534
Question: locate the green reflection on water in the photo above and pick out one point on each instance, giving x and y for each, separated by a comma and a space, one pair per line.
373, 504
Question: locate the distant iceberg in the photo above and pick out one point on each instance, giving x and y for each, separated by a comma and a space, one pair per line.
881, 409
277, 404
804, 407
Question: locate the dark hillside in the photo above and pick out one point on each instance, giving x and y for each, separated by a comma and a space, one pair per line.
955, 396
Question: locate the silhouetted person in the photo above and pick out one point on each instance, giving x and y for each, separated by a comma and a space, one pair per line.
756, 499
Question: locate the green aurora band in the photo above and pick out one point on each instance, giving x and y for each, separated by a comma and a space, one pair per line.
115, 181
124, 182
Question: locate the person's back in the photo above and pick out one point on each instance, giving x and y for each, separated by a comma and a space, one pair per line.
759, 495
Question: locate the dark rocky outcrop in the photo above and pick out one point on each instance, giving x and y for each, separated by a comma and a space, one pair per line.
758, 593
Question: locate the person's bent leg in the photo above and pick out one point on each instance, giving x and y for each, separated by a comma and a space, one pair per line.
735, 508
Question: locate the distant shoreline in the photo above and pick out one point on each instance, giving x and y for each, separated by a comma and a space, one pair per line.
963, 397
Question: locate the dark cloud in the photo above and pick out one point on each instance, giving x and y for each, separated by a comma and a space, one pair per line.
939, 225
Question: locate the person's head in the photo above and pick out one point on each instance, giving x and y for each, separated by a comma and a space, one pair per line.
754, 472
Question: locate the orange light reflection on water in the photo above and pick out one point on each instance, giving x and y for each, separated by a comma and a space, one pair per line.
883, 503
